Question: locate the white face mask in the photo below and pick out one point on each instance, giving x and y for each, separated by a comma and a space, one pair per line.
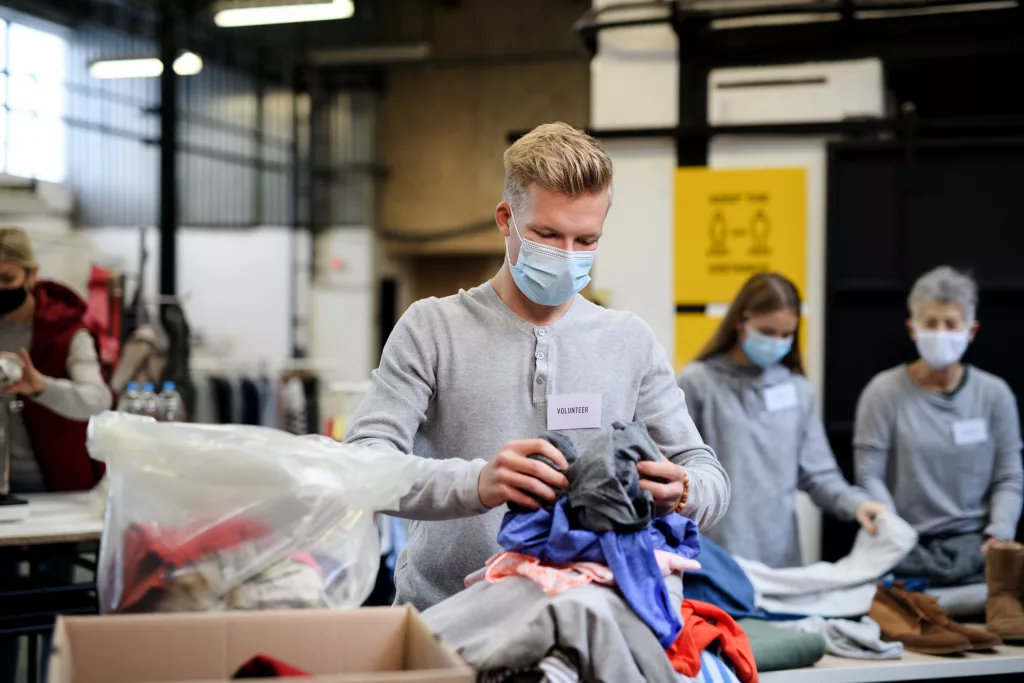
941, 349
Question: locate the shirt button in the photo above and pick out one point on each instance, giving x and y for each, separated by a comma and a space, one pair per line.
541, 332
540, 356
540, 380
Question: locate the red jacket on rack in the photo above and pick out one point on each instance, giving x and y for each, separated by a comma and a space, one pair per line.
58, 443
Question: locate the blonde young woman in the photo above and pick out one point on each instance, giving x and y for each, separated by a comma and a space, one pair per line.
749, 398
42, 328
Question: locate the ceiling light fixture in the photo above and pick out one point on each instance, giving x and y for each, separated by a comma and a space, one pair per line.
284, 13
187, 64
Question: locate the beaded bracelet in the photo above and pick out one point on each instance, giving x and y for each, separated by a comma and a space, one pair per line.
686, 493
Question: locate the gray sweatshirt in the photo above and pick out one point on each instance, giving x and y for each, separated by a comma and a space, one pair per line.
764, 426
78, 398
946, 464
462, 376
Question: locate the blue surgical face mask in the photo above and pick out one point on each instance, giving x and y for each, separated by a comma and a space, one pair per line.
763, 350
549, 276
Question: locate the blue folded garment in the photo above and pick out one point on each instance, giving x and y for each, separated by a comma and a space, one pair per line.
547, 534
721, 582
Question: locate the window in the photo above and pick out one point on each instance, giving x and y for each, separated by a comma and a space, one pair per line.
33, 134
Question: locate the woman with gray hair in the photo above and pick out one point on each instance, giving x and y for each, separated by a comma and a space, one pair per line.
939, 442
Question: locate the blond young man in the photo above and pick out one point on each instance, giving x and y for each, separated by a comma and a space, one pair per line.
466, 381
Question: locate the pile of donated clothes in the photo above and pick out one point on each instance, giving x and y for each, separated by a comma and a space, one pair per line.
591, 589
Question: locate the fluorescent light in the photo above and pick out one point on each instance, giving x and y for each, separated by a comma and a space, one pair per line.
284, 14
187, 64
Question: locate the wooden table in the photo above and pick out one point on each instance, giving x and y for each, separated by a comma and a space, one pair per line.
55, 518
913, 667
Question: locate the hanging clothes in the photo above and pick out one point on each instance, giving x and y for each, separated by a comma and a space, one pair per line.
311, 388
222, 400
143, 358
250, 403
268, 402
293, 407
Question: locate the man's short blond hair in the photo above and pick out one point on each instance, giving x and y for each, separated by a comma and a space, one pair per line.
559, 158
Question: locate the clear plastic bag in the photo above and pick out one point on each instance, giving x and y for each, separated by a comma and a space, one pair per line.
205, 517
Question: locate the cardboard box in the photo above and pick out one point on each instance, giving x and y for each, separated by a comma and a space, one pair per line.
373, 645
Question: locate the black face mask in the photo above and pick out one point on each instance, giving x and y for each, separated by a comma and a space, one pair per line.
12, 299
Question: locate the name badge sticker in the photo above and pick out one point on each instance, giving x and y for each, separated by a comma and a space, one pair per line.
970, 432
779, 398
574, 411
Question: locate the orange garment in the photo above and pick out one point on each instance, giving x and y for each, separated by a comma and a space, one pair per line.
703, 624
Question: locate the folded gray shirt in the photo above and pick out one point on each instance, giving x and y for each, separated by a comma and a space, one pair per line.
462, 376
947, 464
766, 430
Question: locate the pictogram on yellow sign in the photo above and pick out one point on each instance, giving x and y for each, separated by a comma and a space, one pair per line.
731, 224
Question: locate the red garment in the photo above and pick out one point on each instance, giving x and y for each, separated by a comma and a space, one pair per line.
262, 666
103, 317
58, 443
703, 624
151, 554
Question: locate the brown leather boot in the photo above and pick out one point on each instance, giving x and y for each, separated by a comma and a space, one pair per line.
981, 640
901, 620
1004, 571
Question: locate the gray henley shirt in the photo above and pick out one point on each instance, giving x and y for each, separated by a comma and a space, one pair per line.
946, 464
462, 376
771, 445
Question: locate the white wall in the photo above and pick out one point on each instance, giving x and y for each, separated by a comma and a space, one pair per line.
234, 284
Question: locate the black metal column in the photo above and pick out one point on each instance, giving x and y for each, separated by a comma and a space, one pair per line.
168, 149
692, 150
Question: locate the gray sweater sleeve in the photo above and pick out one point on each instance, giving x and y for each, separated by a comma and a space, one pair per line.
391, 415
872, 443
662, 407
83, 395
819, 475
1007, 479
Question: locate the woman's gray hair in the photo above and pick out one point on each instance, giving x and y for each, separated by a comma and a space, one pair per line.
947, 286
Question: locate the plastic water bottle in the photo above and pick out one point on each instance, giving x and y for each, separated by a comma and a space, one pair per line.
171, 407
129, 402
149, 402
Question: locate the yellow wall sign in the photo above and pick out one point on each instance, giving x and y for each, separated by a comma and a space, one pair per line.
731, 224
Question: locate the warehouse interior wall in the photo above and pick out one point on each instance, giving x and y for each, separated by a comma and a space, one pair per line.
634, 84
444, 124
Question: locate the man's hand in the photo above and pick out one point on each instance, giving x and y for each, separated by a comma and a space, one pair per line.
992, 540
511, 477
866, 513
32, 381
668, 495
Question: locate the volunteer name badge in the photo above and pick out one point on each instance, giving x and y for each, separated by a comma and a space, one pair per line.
574, 411
782, 397
970, 432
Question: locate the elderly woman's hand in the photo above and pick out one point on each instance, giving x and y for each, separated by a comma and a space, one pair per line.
32, 381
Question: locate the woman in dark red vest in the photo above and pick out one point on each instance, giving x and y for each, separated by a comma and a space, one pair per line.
42, 327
